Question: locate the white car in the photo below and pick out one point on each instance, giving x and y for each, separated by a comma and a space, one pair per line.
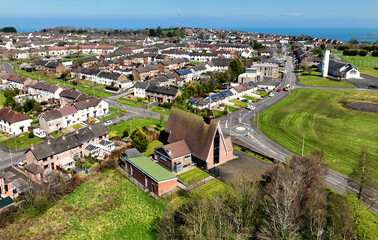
271, 94
21, 165
108, 123
250, 107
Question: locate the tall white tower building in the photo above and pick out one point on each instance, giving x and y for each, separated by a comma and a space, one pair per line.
325, 63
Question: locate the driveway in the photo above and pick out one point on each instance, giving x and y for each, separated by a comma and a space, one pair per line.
244, 162
365, 82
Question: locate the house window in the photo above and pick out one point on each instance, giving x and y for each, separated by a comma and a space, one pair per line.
187, 156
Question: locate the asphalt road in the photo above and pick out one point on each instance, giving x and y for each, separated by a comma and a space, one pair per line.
242, 127
7, 67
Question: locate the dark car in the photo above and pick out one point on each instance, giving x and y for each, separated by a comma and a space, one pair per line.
245, 100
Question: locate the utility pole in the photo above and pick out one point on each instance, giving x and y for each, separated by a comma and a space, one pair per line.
303, 143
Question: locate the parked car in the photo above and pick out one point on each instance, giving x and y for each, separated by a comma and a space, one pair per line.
108, 123
21, 165
279, 90
245, 100
250, 107
271, 94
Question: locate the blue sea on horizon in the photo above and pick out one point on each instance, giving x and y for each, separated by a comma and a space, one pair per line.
342, 34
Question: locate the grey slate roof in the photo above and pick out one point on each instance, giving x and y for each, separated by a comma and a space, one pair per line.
131, 153
91, 102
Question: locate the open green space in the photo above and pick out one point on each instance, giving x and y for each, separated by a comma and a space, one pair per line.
315, 79
118, 129
210, 189
192, 176
21, 141
130, 103
218, 113
261, 93
150, 149
93, 92
114, 111
164, 111
327, 125
358, 61
107, 206
369, 71
2, 136
239, 103
252, 98
230, 108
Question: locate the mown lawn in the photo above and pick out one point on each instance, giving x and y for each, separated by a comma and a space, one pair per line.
150, 149
262, 158
328, 126
369, 71
130, 103
230, 108
56, 134
211, 189
315, 79
164, 111
239, 103
252, 98
117, 130
358, 61
192, 176
21, 141
108, 206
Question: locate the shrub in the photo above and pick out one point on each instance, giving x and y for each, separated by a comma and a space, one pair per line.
343, 47
374, 53
362, 53
125, 134
41, 204
31, 134
352, 52
112, 88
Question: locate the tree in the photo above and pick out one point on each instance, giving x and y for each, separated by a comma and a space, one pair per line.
130, 77
10, 102
64, 75
258, 45
125, 133
161, 119
362, 174
29, 105
322, 46
8, 30
236, 67
363, 53
169, 34
139, 139
305, 66
11, 92
152, 33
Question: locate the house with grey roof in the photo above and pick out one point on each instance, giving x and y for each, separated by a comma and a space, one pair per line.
62, 151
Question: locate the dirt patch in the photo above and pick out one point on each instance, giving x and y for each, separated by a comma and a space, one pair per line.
362, 106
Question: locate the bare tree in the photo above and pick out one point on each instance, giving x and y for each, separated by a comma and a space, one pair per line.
362, 176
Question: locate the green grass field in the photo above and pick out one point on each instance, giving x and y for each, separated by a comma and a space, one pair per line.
369, 71
56, 134
150, 149
339, 132
21, 141
164, 111
367, 65
252, 98
117, 130
130, 103
315, 79
211, 189
108, 206
192, 176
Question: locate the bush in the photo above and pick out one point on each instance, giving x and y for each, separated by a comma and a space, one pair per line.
31, 134
374, 53
343, 47
166, 105
352, 52
125, 134
362, 53
41, 204
112, 88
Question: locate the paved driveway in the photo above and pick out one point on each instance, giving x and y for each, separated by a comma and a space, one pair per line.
365, 82
244, 162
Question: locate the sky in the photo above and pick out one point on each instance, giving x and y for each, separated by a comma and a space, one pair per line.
236, 14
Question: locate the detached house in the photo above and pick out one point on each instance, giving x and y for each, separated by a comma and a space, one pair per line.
13, 122
208, 145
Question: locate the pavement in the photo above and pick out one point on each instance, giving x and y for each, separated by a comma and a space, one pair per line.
241, 125
365, 82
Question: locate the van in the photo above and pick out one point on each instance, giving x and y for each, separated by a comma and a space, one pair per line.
39, 133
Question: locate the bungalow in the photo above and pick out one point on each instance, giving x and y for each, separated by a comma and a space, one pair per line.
150, 175
208, 146
13, 122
